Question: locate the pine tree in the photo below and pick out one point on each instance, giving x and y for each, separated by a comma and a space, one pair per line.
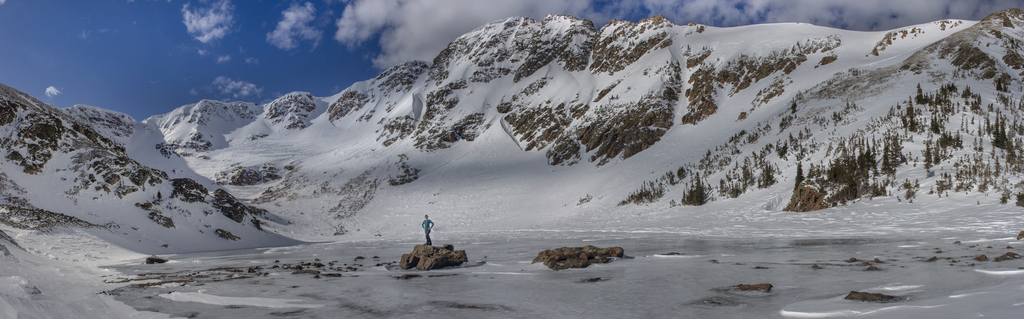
697, 194
799, 176
927, 155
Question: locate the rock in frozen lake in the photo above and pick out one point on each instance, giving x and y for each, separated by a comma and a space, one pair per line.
576, 257
425, 257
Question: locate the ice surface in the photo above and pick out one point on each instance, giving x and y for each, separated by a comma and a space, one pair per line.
500, 281
201, 297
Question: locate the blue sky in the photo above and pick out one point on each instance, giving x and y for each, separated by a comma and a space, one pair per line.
146, 57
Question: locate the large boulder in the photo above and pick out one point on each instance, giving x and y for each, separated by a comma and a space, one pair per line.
425, 257
155, 260
576, 257
1021, 235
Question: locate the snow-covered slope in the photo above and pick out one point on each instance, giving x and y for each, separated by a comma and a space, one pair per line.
61, 172
534, 124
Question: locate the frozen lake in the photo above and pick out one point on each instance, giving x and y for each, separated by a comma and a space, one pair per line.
500, 281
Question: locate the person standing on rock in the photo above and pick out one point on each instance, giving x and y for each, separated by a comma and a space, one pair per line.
427, 225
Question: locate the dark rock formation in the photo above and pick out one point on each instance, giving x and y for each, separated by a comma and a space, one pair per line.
155, 260
1021, 235
425, 257
873, 297
232, 208
981, 258
39, 219
576, 257
226, 234
806, 199
245, 176
188, 190
1008, 256
765, 287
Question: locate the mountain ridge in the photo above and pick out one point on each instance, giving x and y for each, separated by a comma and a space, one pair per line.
525, 123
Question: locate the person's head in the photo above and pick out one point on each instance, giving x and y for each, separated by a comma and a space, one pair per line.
426, 217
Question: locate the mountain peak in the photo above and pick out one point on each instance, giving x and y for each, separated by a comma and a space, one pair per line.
1006, 17
293, 111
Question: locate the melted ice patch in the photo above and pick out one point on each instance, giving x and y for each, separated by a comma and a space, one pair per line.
676, 256
897, 287
1001, 272
849, 313
237, 301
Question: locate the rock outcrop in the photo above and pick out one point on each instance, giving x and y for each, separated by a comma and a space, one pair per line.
806, 199
1008, 256
425, 257
576, 257
1021, 235
155, 260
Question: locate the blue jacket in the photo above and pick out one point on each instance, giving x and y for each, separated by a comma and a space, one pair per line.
427, 224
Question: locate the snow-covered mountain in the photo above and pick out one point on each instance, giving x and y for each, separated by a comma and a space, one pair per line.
534, 124
70, 168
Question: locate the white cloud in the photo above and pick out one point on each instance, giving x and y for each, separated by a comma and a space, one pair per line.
236, 89
2, 2
854, 15
193, 92
211, 23
252, 61
224, 59
419, 29
295, 26
202, 52
50, 91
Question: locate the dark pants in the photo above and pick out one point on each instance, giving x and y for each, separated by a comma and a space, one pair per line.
427, 230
